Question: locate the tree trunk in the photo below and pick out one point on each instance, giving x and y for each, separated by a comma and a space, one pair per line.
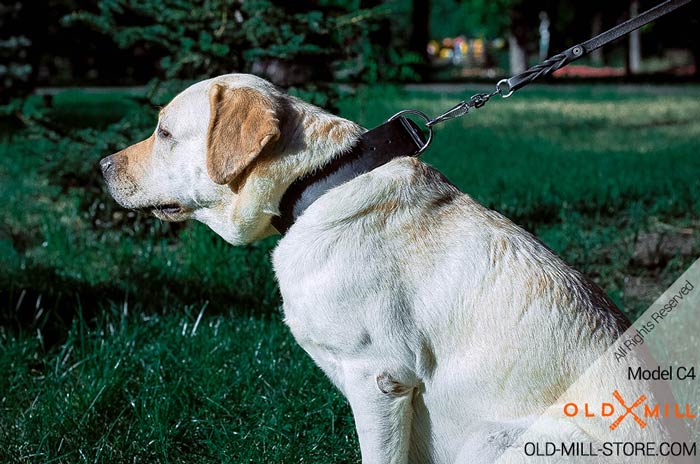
517, 40
597, 28
381, 35
517, 55
634, 60
420, 33
694, 37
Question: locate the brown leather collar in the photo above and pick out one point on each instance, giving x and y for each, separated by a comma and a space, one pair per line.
395, 138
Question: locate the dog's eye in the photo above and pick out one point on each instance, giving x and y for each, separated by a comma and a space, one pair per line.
163, 133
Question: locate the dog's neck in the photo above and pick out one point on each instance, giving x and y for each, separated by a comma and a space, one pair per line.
312, 137
309, 139
376, 147
316, 152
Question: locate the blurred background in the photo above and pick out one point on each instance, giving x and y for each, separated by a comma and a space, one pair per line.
124, 339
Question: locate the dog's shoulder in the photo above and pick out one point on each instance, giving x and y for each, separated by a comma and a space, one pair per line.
375, 212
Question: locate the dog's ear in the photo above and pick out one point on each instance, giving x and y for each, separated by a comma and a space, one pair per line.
242, 123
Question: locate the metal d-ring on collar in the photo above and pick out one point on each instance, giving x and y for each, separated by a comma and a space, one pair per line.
425, 118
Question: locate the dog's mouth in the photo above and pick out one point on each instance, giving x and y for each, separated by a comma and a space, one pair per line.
169, 211
168, 208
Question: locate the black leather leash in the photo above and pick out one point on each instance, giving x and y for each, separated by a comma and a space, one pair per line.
400, 136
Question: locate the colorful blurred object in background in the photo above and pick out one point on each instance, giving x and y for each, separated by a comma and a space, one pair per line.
471, 56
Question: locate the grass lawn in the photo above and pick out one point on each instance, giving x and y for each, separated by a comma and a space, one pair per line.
126, 340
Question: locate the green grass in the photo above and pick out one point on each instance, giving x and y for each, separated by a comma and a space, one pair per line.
135, 387
97, 340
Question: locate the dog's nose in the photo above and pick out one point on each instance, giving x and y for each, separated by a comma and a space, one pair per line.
107, 165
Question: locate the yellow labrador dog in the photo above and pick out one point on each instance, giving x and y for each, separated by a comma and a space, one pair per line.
449, 329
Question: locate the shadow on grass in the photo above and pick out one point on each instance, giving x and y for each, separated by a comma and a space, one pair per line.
48, 302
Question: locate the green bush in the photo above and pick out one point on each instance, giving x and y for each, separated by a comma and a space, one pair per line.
16, 70
287, 42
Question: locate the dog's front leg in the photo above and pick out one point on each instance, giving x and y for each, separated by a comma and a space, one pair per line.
381, 402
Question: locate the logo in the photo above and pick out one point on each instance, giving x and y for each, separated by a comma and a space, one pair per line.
628, 410
639, 411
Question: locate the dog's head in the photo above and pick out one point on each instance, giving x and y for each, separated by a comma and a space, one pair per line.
223, 152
